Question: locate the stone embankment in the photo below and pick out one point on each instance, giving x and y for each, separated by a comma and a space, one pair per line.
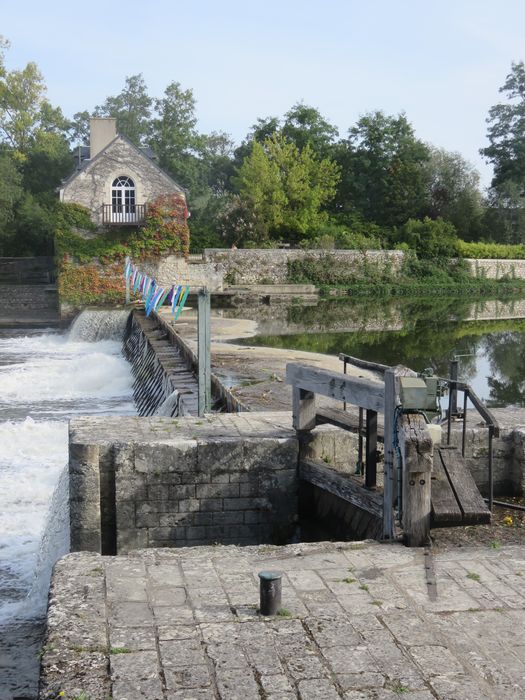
28, 293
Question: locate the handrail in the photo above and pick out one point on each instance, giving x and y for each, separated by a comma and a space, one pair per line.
455, 385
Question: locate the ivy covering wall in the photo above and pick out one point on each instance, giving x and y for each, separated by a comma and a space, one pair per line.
90, 263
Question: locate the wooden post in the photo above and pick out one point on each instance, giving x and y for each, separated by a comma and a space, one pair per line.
388, 486
371, 450
128, 295
303, 407
417, 455
204, 350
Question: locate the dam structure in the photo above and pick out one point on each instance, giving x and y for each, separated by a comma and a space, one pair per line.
161, 477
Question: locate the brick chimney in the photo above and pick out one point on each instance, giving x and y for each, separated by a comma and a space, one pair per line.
102, 130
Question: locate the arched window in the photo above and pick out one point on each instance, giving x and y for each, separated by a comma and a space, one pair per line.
123, 200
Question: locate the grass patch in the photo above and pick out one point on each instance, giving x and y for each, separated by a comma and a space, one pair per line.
284, 612
473, 576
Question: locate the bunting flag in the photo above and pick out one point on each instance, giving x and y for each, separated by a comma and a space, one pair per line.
175, 298
182, 302
152, 294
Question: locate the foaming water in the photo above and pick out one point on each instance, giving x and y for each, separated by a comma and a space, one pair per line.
45, 378
91, 326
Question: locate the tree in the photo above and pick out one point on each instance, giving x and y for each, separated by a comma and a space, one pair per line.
506, 131
24, 110
285, 188
10, 194
452, 192
260, 131
175, 138
304, 125
131, 108
382, 163
34, 157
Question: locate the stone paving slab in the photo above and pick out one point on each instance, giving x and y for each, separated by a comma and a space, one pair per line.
356, 623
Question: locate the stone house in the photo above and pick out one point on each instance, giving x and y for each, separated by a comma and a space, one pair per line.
115, 179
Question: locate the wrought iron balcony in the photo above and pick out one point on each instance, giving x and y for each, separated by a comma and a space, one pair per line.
123, 214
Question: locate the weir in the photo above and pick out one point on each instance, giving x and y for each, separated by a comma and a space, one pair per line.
163, 382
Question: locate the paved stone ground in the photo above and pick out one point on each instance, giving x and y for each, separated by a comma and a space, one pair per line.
357, 622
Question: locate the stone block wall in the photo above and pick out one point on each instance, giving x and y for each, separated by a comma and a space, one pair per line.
228, 479
497, 269
173, 269
33, 296
271, 266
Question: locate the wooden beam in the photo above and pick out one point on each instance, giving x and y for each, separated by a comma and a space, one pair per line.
329, 480
416, 450
336, 385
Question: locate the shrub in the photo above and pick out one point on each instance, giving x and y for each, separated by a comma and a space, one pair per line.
429, 238
499, 251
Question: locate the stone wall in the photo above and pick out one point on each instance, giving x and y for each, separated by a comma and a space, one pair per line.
156, 482
173, 269
271, 266
497, 269
28, 297
91, 187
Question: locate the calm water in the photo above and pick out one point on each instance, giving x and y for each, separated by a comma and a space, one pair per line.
45, 378
417, 333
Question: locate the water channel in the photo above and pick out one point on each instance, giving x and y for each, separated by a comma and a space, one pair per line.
45, 378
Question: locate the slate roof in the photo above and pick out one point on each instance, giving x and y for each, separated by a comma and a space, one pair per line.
143, 151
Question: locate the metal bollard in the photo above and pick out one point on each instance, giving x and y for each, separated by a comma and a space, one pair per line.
270, 592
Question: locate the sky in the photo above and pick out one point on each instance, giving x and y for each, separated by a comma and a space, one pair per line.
441, 62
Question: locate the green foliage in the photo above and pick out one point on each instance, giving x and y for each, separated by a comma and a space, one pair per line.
131, 108
282, 190
305, 126
452, 192
382, 163
429, 238
498, 251
338, 236
507, 129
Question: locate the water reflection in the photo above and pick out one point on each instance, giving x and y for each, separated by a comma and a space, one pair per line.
488, 336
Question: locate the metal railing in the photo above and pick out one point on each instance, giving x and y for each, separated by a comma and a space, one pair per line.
123, 215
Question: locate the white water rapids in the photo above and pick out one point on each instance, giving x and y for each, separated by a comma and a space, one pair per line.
46, 378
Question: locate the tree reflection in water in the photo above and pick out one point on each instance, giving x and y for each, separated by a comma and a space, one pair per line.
425, 333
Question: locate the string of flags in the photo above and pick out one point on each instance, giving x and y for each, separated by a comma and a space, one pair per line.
153, 295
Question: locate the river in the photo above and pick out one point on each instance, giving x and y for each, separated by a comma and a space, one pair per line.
487, 337
45, 378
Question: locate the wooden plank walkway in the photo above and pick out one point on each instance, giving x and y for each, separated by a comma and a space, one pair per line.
455, 496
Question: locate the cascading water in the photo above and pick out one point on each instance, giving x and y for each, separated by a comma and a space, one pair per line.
44, 379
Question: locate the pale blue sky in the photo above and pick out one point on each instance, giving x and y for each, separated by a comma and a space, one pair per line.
440, 62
